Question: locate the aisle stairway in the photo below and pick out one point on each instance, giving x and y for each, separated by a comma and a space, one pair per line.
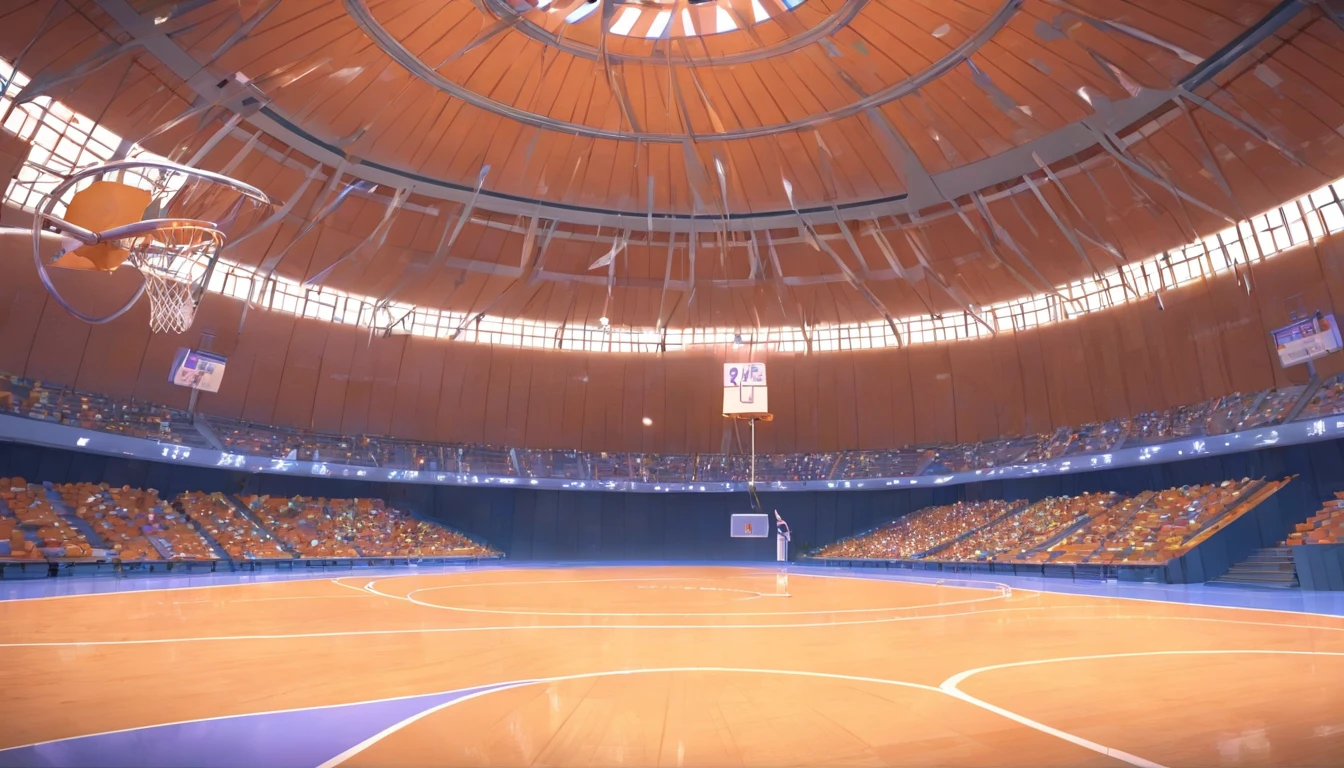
1271, 567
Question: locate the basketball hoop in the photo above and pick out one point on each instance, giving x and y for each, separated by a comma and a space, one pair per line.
166, 259
104, 229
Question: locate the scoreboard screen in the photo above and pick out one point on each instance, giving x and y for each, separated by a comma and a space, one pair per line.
1306, 339
198, 370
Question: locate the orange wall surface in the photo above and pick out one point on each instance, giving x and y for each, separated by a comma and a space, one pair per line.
1210, 340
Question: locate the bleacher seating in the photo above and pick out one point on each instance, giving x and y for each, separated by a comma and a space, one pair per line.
133, 418
135, 524
1238, 411
1172, 424
35, 524
1155, 527
918, 532
905, 462
1327, 401
237, 535
351, 528
98, 522
1100, 528
302, 524
1015, 535
1324, 527
376, 530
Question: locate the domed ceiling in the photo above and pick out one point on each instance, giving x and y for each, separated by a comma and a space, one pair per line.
729, 163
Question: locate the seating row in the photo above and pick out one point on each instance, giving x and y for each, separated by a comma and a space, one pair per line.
38, 400
133, 418
86, 521
1105, 528
1324, 527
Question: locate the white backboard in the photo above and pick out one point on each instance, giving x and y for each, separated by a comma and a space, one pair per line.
744, 389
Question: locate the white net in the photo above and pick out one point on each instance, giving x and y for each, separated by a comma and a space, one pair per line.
171, 307
175, 263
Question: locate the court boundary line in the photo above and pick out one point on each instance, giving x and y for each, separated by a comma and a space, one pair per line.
505, 628
947, 686
515, 628
489, 688
1045, 589
1117, 754
410, 597
950, 686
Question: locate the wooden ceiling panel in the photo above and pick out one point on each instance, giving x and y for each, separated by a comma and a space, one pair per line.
582, 147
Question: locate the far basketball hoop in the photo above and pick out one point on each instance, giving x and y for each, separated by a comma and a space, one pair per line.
745, 395
167, 221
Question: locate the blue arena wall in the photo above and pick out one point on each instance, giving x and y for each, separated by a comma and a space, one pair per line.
531, 524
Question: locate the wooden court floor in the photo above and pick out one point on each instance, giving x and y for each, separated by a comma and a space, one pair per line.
665, 666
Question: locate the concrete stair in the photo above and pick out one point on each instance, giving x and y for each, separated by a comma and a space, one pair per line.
1270, 568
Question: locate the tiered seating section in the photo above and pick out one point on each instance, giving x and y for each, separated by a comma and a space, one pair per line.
1095, 528
97, 523
349, 528
134, 524
919, 533
38, 400
35, 526
1014, 536
1324, 527
238, 535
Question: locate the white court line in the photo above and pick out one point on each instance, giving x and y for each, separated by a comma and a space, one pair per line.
390, 730
225, 585
368, 589
947, 687
410, 596
927, 582
950, 687
1045, 589
220, 718
537, 627
452, 570
490, 628
265, 599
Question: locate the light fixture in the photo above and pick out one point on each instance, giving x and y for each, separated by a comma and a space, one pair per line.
603, 321
648, 422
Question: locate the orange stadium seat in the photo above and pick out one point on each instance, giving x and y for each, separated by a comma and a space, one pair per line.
1324, 527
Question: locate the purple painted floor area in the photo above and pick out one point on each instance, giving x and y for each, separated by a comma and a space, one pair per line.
306, 738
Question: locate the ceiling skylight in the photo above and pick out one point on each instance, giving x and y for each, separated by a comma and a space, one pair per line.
626, 21
584, 11
660, 23
655, 19
722, 21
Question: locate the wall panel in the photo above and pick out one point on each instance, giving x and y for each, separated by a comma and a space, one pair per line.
934, 397
302, 371
1211, 339
872, 402
973, 382
333, 380
1036, 397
